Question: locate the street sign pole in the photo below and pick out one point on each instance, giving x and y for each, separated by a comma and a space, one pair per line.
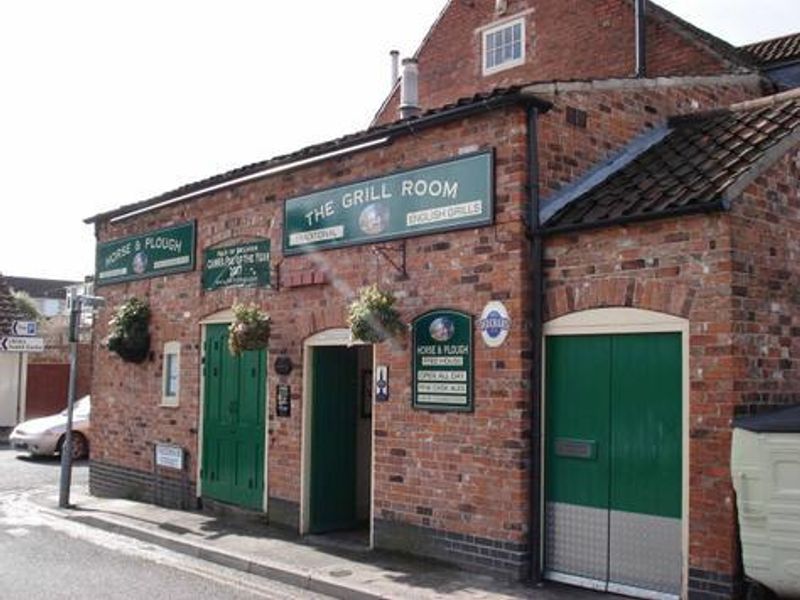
66, 448
76, 305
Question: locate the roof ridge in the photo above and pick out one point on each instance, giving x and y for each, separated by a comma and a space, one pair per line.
768, 40
779, 98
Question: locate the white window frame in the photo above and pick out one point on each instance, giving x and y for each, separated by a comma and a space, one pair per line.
509, 64
171, 349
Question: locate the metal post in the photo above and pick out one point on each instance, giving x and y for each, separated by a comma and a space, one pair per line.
66, 448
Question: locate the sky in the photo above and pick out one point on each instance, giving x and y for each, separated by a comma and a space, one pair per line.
107, 103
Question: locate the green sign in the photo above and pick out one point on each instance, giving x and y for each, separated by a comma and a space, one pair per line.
160, 252
442, 361
448, 195
243, 265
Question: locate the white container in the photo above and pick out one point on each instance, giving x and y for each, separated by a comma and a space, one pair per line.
765, 465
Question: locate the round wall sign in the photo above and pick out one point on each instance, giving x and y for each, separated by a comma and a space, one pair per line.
494, 324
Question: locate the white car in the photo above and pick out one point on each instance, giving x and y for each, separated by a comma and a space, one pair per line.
46, 435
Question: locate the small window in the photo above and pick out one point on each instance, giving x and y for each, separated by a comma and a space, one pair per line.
172, 374
504, 46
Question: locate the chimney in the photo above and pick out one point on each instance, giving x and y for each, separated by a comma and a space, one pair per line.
641, 41
409, 92
395, 59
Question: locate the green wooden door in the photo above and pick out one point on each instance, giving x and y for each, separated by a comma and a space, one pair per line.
613, 470
233, 422
333, 439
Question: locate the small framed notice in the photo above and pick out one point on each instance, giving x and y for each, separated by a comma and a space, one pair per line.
283, 402
169, 456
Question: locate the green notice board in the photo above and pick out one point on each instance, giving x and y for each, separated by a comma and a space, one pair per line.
159, 252
448, 195
241, 265
442, 362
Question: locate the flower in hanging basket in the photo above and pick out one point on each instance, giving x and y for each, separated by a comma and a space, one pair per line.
249, 330
372, 317
129, 335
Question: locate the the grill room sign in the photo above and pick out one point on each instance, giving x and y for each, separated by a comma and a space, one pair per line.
242, 265
442, 368
160, 252
455, 194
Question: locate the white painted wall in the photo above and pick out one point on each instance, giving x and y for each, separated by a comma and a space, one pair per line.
9, 387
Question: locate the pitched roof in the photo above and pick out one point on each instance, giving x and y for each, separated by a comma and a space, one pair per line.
463, 107
698, 166
723, 49
8, 309
780, 49
40, 288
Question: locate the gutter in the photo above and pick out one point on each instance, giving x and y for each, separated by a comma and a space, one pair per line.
537, 339
353, 142
721, 204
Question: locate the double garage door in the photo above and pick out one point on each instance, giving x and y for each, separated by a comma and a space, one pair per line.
614, 462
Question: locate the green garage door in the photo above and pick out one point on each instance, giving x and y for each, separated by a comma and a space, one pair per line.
233, 422
613, 472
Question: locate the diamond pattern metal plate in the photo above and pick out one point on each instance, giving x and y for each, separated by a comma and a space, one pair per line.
577, 540
645, 552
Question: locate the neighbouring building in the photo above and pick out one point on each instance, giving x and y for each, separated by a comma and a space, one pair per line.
12, 367
779, 59
46, 382
598, 271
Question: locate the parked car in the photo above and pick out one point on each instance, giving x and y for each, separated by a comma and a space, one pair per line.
45, 435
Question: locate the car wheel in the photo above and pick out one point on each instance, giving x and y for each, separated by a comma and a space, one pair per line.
80, 445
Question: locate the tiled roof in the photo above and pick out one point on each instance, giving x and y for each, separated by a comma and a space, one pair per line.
692, 169
786, 48
8, 309
498, 97
40, 288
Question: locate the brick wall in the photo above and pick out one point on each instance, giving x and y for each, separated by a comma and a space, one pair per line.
566, 40
463, 473
734, 276
681, 267
615, 113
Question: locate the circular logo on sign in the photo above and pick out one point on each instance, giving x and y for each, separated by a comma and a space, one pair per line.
374, 219
442, 329
494, 324
139, 262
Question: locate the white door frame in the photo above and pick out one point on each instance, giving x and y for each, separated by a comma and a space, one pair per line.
225, 317
609, 321
328, 337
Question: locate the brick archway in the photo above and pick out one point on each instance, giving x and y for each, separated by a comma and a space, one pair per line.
629, 292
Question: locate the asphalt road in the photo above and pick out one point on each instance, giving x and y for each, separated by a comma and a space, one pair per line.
44, 556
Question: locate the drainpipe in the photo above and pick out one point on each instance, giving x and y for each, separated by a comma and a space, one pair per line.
537, 297
641, 39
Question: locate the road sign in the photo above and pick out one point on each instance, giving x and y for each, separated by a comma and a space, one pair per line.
21, 344
24, 328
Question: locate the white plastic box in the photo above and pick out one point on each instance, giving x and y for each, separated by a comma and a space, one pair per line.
765, 465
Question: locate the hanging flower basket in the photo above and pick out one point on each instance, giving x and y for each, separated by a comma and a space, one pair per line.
372, 317
249, 330
129, 336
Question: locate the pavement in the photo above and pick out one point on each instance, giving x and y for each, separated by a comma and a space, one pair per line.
319, 564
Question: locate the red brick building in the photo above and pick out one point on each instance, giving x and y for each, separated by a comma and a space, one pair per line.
597, 271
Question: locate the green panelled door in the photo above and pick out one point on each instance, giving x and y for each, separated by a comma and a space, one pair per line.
613, 469
333, 439
233, 422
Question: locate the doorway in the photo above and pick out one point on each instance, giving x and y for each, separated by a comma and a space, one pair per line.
338, 440
234, 403
614, 462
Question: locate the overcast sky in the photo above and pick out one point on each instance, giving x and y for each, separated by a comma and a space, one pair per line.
106, 103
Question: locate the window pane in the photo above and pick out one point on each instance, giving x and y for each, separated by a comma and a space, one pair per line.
171, 376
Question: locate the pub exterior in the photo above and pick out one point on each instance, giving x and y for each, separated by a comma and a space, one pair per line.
591, 279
